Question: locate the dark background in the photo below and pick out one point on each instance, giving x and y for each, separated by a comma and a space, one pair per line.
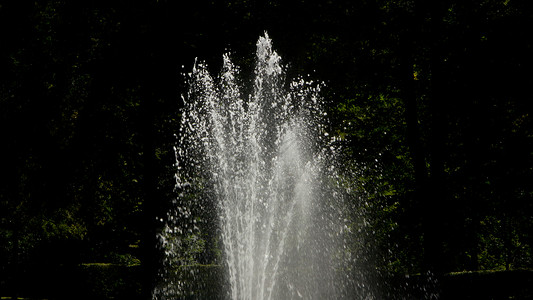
434, 97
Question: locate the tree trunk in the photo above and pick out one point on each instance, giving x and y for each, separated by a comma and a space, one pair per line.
150, 257
435, 210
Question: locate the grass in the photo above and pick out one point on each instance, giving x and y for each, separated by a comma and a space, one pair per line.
19, 298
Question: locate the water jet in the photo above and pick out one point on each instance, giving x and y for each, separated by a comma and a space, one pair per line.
256, 159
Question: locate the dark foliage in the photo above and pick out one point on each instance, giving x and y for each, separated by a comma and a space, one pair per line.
433, 96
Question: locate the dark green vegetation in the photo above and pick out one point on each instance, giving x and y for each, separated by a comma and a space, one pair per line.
435, 98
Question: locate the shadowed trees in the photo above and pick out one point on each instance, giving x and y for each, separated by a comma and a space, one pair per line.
438, 93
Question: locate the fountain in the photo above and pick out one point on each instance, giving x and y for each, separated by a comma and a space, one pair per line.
259, 163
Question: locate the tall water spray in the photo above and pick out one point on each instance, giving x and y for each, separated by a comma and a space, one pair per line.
260, 162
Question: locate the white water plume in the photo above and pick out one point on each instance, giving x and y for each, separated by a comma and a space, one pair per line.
264, 162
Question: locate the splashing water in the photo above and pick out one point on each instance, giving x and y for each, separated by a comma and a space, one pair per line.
263, 165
